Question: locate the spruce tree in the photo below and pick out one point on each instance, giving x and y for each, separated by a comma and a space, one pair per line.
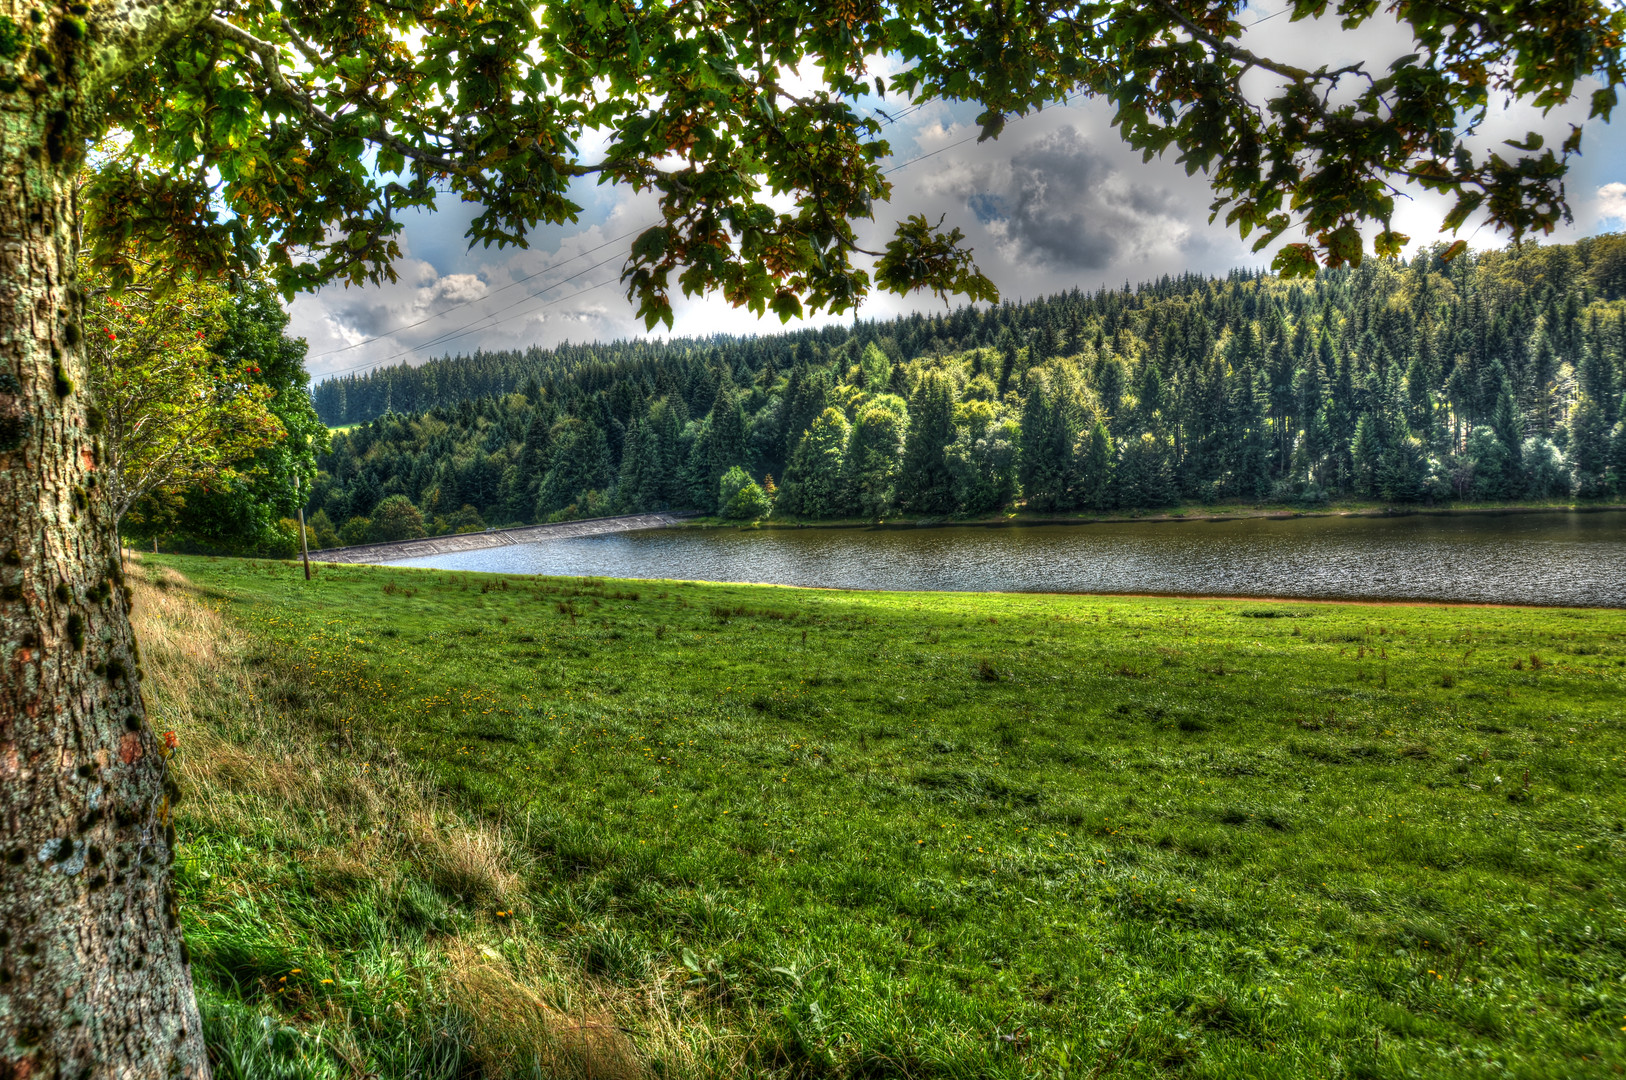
581, 463
1509, 431
1145, 473
1093, 487
926, 486
1590, 449
1049, 427
1366, 456
1006, 344
638, 484
1251, 440
806, 398
725, 433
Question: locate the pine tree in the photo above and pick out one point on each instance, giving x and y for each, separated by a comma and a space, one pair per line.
806, 398
1093, 488
1111, 378
581, 463
1509, 431
1050, 423
1590, 449
926, 486
722, 443
664, 426
638, 484
1401, 470
1366, 454
875, 369
1617, 475
1006, 344
1144, 471
1250, 445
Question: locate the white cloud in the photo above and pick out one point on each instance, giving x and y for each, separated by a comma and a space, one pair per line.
1057, 202
458, 288
1611, 202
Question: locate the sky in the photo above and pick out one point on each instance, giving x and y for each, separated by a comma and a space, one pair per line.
1056, 202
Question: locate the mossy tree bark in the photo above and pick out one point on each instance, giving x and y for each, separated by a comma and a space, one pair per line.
94, 975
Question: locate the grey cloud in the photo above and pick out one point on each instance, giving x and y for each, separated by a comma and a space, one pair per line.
365, 315
1060, 203
378, 310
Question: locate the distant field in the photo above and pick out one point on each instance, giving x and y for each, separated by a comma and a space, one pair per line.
443, 824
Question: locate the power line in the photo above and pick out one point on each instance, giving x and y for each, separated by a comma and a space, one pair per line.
381, 335
970, 138
474, 327
471, 327
892, 118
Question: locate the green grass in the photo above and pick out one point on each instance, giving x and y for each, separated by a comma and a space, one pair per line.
823, 833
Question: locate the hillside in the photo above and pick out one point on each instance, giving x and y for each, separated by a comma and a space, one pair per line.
1496, 376
443, 825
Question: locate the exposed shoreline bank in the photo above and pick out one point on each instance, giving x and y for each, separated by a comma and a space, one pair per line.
1282, 513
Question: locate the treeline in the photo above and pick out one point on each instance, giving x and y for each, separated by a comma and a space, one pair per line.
448, 380
1497, 375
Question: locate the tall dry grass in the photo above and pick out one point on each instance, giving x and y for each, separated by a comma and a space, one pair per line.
364, 823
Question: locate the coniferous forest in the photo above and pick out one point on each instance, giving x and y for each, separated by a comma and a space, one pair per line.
1494, 376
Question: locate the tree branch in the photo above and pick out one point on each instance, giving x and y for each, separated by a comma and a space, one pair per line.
270, 56
1235, 52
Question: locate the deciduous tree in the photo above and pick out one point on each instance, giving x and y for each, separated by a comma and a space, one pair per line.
302, 133
815, 481
174, 413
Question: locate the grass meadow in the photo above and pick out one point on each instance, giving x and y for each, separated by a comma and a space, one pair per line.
443, 825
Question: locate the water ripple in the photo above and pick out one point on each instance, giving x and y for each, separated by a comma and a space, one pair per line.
1548, 558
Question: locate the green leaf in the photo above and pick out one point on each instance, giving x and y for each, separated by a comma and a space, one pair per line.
1467, 203
786, 305
1295, 261
1389, 243
650, 245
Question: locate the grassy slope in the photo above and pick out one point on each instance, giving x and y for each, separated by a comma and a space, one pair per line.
903, 834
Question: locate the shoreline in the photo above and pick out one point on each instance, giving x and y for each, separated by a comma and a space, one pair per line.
1271, 513
1250, 598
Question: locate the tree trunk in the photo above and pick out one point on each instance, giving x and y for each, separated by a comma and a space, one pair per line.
94, 976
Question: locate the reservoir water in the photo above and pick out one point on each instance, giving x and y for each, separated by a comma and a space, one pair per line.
1542, 558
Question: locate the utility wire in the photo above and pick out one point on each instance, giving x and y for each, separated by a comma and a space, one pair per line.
888, 120
474, 326
444, 311
971, 138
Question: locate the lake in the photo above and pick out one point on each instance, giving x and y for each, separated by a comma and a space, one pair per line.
1541, 558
